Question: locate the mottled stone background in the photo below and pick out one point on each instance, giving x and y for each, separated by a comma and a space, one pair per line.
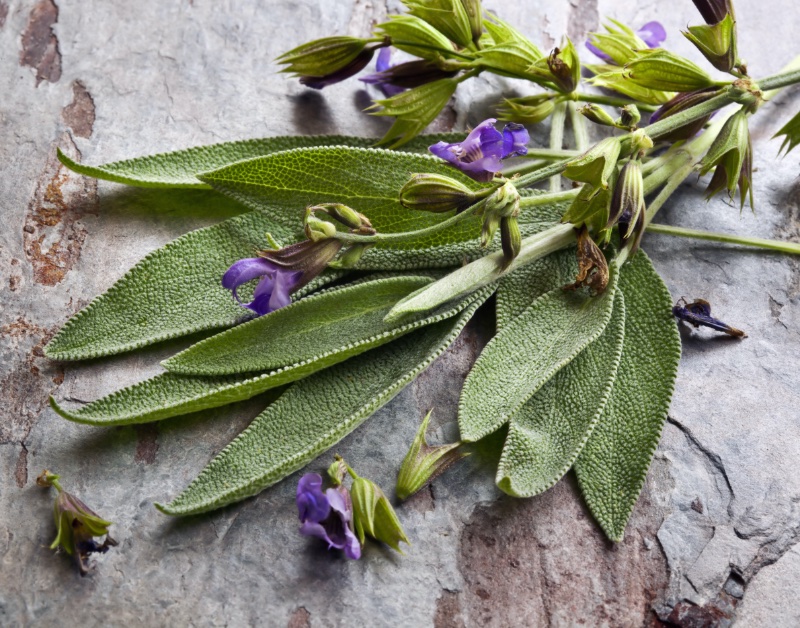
713, 539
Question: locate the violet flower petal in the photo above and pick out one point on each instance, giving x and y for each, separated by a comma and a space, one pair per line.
652, 33
382, 64
478, 155
515, 138
312, 503
285, 283
246, 270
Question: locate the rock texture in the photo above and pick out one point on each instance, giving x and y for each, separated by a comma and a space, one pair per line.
713, 540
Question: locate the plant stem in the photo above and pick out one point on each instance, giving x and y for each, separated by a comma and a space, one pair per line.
548, 199
557, 139
699, 234
551, 153
784, 79
579, 130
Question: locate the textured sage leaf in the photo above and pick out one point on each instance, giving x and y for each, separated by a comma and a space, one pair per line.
178, 168
526, 353
324, 328
312, 416
613, 465
368, 180
548, 432
174, 291
168, 395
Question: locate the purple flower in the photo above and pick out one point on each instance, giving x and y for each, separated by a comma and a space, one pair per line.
480, 154
272, 292
327, 515
379, 78
652, 33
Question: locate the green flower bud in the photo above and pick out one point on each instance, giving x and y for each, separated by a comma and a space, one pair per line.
590, 202
317, 229
342, 213
351, 256
597, 114
526, 110
449, 17
732, 156
629, 117
373, 515
717, 42
596, 165
337, 470
436, 193
77, 525
411, 30
640, 142
424, 463
618, 81
504, 203
664, 70
628, 199
322, 57
510, 239
474, 13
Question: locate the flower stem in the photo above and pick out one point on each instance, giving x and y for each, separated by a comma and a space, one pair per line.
610, 100
579, 130
698, 234
548, 199
557, 139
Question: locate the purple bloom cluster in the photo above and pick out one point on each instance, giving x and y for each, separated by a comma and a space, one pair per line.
652, 33
272, 292
327, 515
481, 153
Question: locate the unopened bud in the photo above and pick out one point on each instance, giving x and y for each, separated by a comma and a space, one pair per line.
526, 110
317, 229
328, 60
373, 515
628, 198
504, 203
337, 471
510, 238
436, 193
629, 117
640, 142
342, 213
597, 114
350, 257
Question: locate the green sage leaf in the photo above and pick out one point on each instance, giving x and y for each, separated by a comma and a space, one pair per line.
526, 353
613, 465
312, 416
168, 394
326, 328
179, 168
174, 291
549, 431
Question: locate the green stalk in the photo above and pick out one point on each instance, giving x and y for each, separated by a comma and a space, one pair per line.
579, 130
698, 234
610, 100
557, 139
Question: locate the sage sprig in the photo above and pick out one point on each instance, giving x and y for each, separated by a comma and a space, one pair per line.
582, 367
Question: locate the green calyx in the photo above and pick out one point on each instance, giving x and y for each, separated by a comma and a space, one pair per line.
373, 515
717, 42
664, 70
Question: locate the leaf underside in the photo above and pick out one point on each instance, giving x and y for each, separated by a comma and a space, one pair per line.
179, 168
312, 416
613, 465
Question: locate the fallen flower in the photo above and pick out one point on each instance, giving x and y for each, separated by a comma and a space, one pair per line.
327, 515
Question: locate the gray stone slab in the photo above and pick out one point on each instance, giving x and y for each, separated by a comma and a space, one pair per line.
714, 534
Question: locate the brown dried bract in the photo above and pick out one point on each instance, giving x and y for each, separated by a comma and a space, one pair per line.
592, 265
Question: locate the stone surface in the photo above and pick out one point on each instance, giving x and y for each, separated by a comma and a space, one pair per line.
713, 538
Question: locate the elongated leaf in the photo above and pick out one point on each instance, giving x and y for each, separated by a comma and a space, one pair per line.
613, 465
368, 180
169, 395
172, 292
312, 416
526, 353
178, 168
325, 328
549, 431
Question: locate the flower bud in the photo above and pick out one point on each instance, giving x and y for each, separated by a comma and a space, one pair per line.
328, 60
337, 471
640, 142
629, 117
526, 110
447, 16
317, 229
351, 256
679, 103
660, 69
732, 156
424, 463
597, 114
373, 515
77, 525
717, 42
504, 203
628, 196
596, 165
592, 265
436, 193
714, 11
342, 213
565, 67
510, 239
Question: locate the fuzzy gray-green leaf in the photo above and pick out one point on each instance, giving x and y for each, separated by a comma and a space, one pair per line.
549, 431
178, 168
312, 416
613, 465
526, 353
174, 291
322, 328
168, 394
